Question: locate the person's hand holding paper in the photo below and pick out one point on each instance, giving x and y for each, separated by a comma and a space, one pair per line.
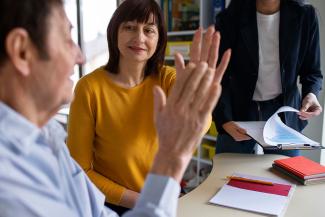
274, 134
235, 131
310, 107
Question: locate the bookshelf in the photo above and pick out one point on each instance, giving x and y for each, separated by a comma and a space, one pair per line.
182, 18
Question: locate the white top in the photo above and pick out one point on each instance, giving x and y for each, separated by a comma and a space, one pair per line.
268, 85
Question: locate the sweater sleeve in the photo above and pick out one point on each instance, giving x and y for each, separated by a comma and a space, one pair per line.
80, 141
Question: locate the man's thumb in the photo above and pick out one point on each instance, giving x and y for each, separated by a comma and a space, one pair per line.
159, 99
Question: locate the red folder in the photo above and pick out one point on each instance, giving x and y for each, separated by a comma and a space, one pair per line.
302, 167
278, 189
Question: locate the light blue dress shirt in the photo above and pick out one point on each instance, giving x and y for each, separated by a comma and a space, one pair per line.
39, 178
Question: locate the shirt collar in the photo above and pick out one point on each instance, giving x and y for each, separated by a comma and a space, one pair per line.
54, 135
22, 134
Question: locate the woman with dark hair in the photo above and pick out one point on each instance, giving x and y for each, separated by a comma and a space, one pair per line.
111, 131
273, 43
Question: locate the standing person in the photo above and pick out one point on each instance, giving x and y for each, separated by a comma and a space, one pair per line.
37, 175
274, 42
111, 131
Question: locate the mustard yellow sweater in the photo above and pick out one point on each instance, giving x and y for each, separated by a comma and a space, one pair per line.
111, 132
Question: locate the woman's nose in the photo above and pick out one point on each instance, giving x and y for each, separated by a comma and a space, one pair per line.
140, 36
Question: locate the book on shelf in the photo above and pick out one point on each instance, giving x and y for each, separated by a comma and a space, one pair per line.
274, 134
181, 15
185, 15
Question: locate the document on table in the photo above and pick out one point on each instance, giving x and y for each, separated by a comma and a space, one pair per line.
255, 197
274, 134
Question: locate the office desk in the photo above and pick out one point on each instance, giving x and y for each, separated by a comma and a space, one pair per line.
307, 201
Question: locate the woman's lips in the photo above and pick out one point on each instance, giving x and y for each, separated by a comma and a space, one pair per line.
136, 49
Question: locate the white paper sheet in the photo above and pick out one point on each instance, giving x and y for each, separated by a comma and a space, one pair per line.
254, 201
274, 132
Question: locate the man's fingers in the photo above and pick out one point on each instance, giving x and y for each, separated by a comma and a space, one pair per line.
181, 77
214, 51
211, 99
215, 90
179, 62
222, 66
203, 89
197, 72
206, 44
159, 101
195, 51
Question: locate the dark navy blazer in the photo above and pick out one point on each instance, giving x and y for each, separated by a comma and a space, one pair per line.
299, 57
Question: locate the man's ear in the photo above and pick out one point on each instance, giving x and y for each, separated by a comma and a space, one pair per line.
18, 46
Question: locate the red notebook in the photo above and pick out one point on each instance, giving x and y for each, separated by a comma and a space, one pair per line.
302, 167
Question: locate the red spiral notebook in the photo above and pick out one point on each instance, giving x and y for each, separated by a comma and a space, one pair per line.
302, 167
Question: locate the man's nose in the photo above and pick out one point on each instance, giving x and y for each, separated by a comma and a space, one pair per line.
80, 58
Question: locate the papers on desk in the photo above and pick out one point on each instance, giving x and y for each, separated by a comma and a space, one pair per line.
272, 200
274, 134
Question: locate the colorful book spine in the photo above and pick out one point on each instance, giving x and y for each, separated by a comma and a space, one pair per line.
170, 15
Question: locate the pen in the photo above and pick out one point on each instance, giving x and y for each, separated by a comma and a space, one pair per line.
249, 180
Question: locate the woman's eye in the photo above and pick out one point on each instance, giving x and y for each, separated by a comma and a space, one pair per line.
128, 27
150, 31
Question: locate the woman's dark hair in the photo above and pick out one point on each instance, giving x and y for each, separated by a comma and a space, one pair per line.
31, 15
140, 11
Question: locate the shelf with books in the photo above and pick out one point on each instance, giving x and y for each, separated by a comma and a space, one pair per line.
171, 58
181, 33
182, 18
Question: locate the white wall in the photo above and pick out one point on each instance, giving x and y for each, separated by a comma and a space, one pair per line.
316, 126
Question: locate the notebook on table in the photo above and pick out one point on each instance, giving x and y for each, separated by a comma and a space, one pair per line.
255, 197
301, 169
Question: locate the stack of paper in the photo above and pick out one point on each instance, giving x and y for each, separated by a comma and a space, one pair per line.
274, 134
255, 197
301, 169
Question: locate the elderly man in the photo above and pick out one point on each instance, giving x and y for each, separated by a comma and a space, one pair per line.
37, 175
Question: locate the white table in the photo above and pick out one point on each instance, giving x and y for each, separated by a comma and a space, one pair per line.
307, 201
